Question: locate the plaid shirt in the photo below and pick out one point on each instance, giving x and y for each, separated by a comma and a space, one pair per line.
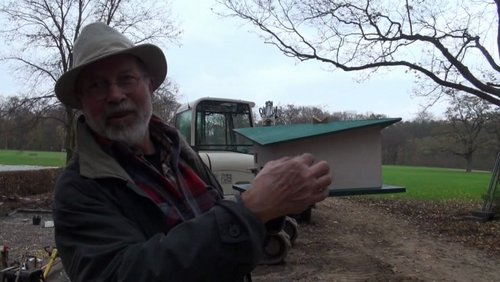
171, 183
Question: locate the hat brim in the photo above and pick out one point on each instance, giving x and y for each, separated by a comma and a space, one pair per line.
151, 55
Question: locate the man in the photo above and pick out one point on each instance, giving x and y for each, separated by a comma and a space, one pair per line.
136, 203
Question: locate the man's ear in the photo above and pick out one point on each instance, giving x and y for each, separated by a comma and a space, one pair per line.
150, 86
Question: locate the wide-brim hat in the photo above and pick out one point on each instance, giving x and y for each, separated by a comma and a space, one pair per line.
98, 41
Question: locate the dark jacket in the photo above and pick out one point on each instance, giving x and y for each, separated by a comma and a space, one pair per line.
107, 229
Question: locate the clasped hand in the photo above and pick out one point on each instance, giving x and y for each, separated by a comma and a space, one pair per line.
287, 186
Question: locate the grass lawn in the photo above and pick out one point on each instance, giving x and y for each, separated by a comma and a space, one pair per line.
14, 157
420, 182
436, 183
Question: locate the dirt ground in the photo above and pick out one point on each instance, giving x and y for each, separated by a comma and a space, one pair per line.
349, 239
353, 239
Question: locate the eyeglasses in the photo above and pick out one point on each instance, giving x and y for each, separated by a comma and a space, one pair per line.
98, 90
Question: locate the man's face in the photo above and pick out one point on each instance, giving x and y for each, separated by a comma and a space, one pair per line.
115, 94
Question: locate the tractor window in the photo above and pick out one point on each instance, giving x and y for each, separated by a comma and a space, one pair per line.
183, 123
215, 121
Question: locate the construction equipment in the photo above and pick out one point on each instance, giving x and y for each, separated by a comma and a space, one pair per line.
30, 269
207, 124
27, 271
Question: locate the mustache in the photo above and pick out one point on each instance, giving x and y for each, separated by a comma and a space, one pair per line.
126, 106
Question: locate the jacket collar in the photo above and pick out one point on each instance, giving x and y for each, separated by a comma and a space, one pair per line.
94, 162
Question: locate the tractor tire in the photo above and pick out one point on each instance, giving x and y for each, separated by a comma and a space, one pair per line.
291, 228
276, 248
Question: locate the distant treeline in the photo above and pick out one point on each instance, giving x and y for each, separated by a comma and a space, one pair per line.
434, 143
470, 143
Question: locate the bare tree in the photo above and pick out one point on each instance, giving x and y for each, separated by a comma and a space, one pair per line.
16, 121
393, 142
424, 116
467, 117
287, 114
291, 114
165, 101
493, 127
445, 44
39, 35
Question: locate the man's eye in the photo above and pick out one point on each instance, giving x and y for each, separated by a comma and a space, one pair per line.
127, 80
100, 84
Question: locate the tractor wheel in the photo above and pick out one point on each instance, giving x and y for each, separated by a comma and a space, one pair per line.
291, 228
276, 248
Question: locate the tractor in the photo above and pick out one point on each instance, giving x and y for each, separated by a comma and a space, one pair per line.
207, 124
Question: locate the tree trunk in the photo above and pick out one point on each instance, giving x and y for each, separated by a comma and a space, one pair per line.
69, 140
468, 162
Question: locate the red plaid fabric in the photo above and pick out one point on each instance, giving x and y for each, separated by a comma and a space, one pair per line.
174, 186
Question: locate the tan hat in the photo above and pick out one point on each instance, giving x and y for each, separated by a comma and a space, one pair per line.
98, 41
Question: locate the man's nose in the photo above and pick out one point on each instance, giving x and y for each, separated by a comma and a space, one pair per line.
115, 94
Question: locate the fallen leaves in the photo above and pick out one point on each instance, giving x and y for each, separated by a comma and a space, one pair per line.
446, 219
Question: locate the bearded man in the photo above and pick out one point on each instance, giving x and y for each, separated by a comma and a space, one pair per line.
136, 203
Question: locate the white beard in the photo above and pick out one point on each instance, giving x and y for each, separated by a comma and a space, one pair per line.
133, 133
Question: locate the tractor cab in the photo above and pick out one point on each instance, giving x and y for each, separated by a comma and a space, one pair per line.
207, 124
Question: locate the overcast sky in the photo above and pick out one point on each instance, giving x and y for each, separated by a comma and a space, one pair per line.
223, 57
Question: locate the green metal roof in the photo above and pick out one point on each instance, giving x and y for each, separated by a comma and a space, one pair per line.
283, 133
